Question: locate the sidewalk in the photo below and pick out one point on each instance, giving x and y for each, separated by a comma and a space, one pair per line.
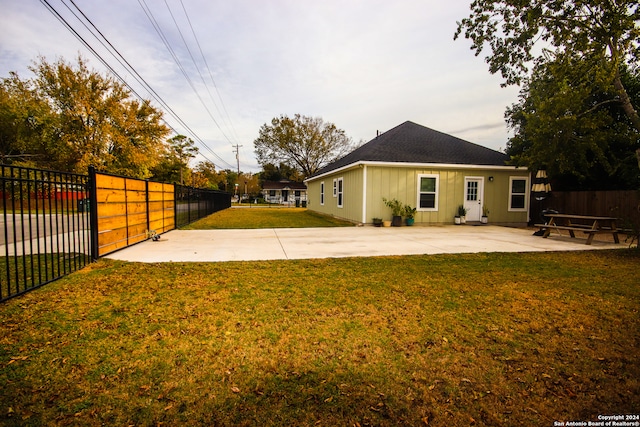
338, 242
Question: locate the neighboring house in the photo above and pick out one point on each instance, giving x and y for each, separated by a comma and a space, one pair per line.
424, 168
284, 192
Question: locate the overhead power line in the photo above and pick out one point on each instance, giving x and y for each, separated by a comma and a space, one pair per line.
125, 64
167, 44
204, 60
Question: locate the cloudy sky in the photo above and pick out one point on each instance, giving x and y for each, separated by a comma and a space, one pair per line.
232, 66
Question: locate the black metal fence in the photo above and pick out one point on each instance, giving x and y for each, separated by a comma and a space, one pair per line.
44, 227
49, 227
195, 203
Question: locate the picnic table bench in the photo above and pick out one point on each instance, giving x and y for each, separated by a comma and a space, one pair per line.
590, 225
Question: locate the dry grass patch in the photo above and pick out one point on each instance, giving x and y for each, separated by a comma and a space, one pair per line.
485, 339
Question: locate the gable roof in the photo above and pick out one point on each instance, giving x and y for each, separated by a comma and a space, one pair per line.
413, 143
281, 185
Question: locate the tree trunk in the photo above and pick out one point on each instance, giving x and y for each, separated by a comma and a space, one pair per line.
628, 109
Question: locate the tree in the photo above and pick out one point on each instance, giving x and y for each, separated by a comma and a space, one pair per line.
306, 143
69, 117
174, 162
228, 180
183, 149
603, 33
270, 172
249, 186
205, 176
24, 119
569, 123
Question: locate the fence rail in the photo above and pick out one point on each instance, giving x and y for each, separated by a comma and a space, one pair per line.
44, 235
195, 203
54, 223
127, 209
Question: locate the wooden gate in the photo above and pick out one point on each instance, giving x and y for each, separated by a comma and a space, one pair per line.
128, 208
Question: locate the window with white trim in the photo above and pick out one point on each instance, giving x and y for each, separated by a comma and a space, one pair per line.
340, 190
428, 185
322, 193
518, 193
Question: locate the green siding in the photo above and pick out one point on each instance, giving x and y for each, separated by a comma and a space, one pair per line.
402, 183
352, 195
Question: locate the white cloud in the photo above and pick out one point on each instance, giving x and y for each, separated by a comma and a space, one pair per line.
363, 65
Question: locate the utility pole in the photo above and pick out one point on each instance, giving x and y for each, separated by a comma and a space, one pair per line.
237, 151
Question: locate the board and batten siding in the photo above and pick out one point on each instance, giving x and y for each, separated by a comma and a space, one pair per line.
352, 183
402, 183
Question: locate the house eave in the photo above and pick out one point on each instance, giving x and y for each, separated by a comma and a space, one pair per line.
415, 165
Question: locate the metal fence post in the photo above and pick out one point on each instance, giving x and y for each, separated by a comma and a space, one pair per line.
93, 213
146, 190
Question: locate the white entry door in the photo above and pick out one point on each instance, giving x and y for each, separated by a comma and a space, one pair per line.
473, 196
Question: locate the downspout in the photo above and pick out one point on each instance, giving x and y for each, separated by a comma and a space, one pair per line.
364, 194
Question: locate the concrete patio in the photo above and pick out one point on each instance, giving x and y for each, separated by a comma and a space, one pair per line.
338, 242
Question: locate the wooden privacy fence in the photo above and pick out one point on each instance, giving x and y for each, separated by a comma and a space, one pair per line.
54, 223
623, 204
125, 210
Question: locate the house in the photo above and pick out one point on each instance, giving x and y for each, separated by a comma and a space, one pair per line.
426, 169
284, 192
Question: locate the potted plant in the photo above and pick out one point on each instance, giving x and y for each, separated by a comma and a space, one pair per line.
410, 214
377, 222
460, 217
396, 209
485, 215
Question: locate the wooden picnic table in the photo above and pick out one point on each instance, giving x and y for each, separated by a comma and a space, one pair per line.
590, 225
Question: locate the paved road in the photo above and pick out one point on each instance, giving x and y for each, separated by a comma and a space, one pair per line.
32, 226
31, 233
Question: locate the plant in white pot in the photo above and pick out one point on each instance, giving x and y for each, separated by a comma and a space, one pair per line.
461, 215
485, 215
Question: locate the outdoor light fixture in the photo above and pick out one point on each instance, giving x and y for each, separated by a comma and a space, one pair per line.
490, 179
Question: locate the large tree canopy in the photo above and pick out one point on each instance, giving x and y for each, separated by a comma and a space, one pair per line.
602, 33
306, 143
571, 125
69, 118
173, 165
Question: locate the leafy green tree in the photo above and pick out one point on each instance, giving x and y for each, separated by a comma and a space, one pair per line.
228, 180
24, 121
603, 33
569, 122
305, 143
174, 163
271, 172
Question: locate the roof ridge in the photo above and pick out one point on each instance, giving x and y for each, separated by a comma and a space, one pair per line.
411, 142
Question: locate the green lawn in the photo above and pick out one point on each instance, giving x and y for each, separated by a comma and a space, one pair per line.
275, 217
447, 340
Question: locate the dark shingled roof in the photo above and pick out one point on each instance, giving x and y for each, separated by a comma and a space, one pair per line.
413, 143
280, 185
